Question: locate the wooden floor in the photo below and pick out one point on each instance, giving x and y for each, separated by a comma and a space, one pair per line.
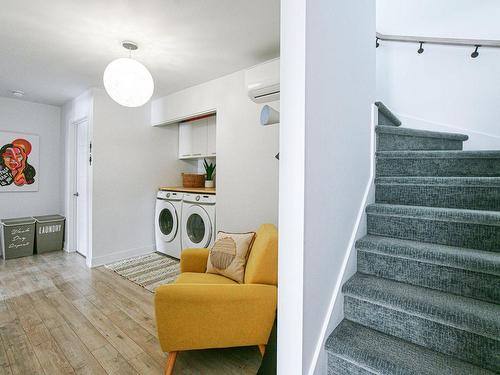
59, 317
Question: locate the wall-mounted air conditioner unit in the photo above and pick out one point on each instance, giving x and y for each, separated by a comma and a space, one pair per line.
263, 82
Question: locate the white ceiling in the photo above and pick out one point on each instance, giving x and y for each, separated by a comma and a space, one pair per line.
55, 49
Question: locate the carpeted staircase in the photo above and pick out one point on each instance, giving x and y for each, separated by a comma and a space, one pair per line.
426, 297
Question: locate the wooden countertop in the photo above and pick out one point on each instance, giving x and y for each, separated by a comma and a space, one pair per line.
189, 190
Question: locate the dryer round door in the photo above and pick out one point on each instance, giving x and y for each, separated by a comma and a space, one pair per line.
197, 227
166, 220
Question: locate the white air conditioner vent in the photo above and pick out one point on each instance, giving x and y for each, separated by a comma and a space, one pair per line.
263, 82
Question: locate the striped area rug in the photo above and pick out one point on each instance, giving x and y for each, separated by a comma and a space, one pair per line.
148, 271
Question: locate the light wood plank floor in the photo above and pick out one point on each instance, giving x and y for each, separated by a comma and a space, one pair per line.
59, 317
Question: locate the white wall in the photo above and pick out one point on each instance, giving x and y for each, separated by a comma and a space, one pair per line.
328, 70
291, 194
444, 88
44, 120
131, 160
247, 172
339, 97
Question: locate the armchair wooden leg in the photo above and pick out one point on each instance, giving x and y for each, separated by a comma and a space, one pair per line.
169, 366
262, 349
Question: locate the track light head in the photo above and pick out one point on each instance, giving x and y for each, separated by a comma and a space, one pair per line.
475, 53
421, 49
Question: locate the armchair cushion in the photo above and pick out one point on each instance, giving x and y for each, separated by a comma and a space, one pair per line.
202, 278
196, 316
262, 264
194, 260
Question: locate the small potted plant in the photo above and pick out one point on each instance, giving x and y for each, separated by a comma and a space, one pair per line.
210, 169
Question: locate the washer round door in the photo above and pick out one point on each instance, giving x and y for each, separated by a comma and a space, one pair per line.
167, 222
197, 227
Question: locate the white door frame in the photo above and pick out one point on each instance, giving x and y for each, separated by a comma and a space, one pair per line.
72, 180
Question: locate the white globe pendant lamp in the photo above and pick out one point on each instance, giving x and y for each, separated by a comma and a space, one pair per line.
127, 81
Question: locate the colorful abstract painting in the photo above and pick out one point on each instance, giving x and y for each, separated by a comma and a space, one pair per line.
19, 158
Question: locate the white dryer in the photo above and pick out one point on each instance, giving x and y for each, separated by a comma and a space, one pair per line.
168, 223
198, 220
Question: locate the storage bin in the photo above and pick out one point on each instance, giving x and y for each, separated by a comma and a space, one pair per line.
191, 180
49, 233
18, 237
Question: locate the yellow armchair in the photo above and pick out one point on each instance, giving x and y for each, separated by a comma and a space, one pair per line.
202, 310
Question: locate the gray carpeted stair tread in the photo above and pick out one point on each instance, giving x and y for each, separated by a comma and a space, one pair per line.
438, 163
390, 138
474, 193
377, 353
478, 285
450, 256
489, 218
474, 316
446, 154
470, 193
446, 226
384, 129
440, 181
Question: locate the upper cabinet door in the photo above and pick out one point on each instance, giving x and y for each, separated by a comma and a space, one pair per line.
199, 131
197, 138
212, 132
185, 140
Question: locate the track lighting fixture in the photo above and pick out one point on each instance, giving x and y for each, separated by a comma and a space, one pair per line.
475, 53
421, 49
468, 43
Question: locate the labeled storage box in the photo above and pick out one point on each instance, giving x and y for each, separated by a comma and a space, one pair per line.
49, 233
18, 237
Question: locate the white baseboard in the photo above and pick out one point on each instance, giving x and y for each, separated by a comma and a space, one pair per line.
68, 250
120, 255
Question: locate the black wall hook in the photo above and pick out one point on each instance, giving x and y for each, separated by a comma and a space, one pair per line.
421, 49
377, 44
475, 53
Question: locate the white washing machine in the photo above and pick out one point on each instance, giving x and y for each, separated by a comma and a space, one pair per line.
168, 223
198, 220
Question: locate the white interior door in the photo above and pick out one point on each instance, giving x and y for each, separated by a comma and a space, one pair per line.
81, 194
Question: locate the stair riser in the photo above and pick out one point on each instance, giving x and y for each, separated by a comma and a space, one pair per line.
339, 366
464, 345
447, 279
440, 167
467, 197
395, 142
469, 235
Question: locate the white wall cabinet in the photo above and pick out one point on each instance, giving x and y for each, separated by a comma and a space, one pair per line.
211, 134
197, 138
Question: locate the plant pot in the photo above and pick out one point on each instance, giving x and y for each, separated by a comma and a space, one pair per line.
209, 183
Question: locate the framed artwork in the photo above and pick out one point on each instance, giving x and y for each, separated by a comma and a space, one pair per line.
19, 162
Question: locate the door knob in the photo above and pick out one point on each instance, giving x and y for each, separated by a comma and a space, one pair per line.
76, 194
